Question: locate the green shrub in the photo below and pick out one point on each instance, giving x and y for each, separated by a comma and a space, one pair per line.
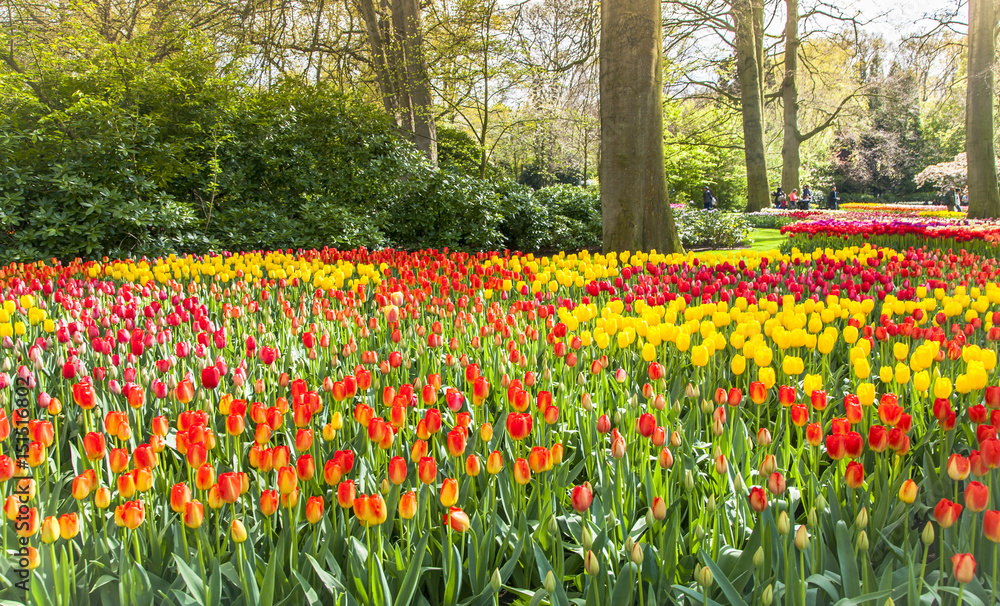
457, 151
769, 220
711, 228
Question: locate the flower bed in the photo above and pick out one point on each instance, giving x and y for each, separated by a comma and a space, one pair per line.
981, 237
385, 427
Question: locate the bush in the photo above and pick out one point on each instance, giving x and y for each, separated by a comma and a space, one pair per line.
89, 190
769, 220
457, 151
711, 228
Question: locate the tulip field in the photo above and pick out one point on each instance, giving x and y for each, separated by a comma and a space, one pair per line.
439, 428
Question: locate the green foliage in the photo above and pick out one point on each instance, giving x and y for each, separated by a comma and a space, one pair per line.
561, 217
700, 149
303, 166
444, 210
711, 228
768, 220
457, 151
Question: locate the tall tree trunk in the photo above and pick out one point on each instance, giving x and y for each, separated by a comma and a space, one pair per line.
424, 129
790, 159
752, 106
395, 38
984, 197
634, 201
379, 48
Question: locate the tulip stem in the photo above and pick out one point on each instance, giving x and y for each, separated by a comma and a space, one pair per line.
55, 566
961, 592
201, 563
993, 590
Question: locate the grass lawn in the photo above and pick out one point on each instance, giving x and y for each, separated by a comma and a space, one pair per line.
763, 239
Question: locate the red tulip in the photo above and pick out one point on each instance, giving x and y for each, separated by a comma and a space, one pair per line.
582, 496
946, 513
758, 499
977, 496
963, 566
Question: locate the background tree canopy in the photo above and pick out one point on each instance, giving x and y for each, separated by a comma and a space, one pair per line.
135, 128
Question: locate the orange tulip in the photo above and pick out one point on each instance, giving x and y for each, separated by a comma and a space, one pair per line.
449, 492
408, 505
427, 470
457, 519
287, 479
268, 502
69, 525
494, 463
314, 509
522, 472
977, 496
581, 497
83, 395
963, 567
346, 494
194, 514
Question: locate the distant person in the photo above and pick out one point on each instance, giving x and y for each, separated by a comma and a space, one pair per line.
833, 200
806, 198
793, 199
951, 199
709, 199
779, 198
965, 200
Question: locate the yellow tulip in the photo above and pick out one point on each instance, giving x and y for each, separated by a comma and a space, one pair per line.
866, 394
738, 364
942, 387
766, 376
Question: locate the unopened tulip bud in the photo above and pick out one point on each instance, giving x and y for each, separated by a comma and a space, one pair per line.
707, 407
588, 538
927, 536
495, 582
783, 524
862, 542
550, 583
637, 554
386, 487
676, 408
581, 379
691, 391
553, 527
862, 520
889, 602
618, 418
710, 506
688, 480
820, 502
650, 518
739, 484
758, 557
704, 576
699, 532
767, 596
239, 531
811, 519
590, 563
802, 538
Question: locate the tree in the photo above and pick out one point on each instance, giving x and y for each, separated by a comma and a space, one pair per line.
634, 204
396, 39
748, 18
984, 197
792, 137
